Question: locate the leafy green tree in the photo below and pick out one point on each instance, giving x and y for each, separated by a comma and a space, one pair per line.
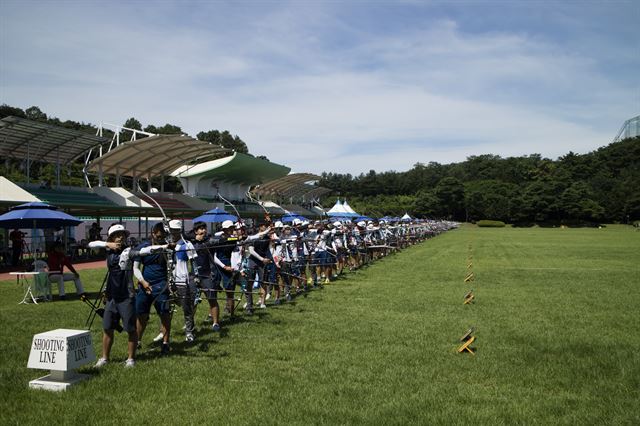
632, 207
224, 139
576, 203
539, 201
34, 113
6, 111
167, 129
490, 199
131, 123
426, 205
450, 194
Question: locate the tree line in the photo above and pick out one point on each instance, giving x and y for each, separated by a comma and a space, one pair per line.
601, 186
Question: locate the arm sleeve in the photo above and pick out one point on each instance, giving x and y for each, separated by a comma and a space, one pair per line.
253, 253
257, 236
97, 244
218, 261
144, 251
136, 271
191, 251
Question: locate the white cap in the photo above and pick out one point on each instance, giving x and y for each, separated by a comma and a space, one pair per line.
297, 222
175, 224
382, 221
370, 222
326, 232
337, 224
361, 224
371, 227
227, 224
117, 228
304, 222
278, 224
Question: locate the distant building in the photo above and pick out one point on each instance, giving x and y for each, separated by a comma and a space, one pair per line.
630, 129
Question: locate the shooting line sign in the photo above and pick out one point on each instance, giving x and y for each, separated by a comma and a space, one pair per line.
61, 351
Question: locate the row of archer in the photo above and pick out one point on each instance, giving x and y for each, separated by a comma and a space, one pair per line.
275, 261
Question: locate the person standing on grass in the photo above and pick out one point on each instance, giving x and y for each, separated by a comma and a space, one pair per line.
185, 283
259, 257
16, 237
152, 288
56, 261
302, 249
209, 279
119, 292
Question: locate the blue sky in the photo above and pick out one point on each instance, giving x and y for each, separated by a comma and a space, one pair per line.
336, 86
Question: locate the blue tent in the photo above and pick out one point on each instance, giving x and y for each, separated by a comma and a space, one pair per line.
364, 218
37, 215
216, 215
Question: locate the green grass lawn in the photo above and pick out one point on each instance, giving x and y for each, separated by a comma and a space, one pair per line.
557, 342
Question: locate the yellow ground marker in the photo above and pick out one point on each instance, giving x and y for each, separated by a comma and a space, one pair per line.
468, 298
466, 346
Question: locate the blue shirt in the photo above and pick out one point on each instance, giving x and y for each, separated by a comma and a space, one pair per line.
154, 266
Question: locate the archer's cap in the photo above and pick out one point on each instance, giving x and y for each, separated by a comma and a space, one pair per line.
175, 224
117, 228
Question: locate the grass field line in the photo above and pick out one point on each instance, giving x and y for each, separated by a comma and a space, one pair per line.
378, 347
553, 269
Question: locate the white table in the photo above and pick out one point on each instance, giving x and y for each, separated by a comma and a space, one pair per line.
24, 278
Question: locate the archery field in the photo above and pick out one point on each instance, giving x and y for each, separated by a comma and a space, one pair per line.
556, 317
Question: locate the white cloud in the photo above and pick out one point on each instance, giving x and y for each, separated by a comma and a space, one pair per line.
310, 89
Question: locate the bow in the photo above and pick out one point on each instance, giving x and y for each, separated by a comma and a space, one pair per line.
232, 206
267, 216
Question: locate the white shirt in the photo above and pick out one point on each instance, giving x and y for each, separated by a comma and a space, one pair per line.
181, 266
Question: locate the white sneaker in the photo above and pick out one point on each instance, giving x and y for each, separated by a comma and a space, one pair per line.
101, 363
158, 337
268, 296
190, 338
130, 363
263, 306
244, 306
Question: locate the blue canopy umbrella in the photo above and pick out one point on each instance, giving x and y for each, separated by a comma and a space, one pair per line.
37, 215
364, 218
214, 216
291, 217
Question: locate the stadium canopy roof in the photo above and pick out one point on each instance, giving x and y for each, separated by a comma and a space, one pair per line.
238, 168
295, 185
157, 155
10, 193
21, 138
